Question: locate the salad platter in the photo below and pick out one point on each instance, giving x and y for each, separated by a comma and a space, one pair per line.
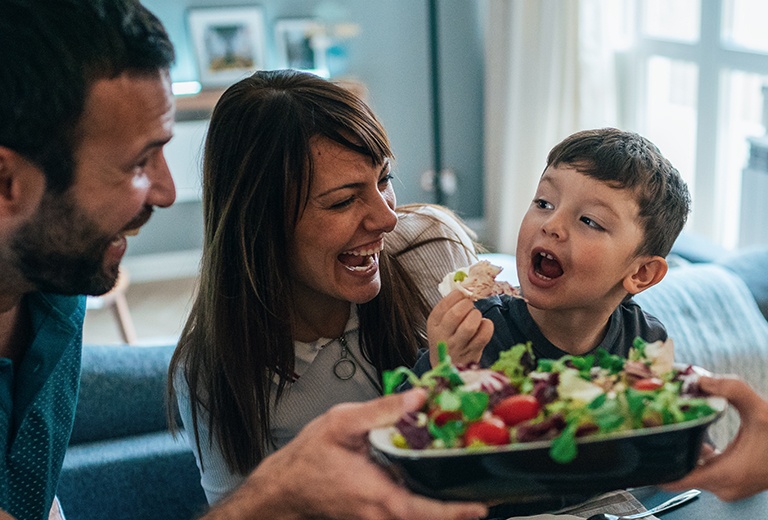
548, 432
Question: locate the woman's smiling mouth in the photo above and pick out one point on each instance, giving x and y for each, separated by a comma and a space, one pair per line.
361, 259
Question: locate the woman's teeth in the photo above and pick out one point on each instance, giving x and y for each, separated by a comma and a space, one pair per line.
367, 262
360, 259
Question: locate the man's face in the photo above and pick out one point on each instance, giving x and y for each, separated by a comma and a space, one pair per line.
75, 240
577, 243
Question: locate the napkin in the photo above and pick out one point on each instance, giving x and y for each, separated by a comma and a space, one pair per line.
616, 502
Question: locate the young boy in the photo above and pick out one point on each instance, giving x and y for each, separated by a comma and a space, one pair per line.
606, 212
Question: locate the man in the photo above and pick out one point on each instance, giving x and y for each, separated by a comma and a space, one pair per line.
85, 110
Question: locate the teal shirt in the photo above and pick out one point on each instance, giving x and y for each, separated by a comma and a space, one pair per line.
37, 405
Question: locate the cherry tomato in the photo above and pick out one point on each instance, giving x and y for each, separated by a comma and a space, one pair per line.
488, 432
440, 417
649, 383
516, 409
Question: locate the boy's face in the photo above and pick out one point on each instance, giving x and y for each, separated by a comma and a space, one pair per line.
577, 243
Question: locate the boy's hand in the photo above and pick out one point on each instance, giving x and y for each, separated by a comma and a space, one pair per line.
456, 321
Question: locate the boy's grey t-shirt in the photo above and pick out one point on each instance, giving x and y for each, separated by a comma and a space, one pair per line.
513, 324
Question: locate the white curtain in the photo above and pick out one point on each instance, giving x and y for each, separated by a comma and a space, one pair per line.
549, 73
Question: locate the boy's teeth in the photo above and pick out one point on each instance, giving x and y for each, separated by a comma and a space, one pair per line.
547, 256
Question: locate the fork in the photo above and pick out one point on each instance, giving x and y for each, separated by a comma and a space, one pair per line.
675, 501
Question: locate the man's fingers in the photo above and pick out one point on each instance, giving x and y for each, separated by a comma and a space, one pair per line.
358, 418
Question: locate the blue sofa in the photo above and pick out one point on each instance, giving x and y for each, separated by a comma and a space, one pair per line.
122, 462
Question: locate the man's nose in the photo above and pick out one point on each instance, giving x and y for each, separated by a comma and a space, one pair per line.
162, 191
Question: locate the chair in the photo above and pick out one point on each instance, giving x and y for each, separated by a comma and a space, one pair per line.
115, 299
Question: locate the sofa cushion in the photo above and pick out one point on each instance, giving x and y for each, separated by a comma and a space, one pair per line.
148, 477
122, 392
715, 323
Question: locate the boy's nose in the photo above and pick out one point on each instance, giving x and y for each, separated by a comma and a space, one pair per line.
553, 227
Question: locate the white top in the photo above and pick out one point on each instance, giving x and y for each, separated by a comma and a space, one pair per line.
317, 388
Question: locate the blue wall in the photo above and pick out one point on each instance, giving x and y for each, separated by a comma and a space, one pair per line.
391, 57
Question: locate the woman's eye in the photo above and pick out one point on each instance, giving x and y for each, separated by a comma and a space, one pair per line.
591, 223
343, 204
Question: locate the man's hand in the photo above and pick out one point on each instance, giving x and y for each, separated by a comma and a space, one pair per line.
456, 321
741, 470
325, 472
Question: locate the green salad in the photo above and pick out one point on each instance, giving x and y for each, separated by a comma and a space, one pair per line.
521, 399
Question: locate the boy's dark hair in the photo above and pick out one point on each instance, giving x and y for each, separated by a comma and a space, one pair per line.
626, 160
51, 53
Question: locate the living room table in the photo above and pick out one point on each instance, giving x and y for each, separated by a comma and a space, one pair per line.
706, 507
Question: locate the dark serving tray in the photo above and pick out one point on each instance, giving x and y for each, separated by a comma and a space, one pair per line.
525, 474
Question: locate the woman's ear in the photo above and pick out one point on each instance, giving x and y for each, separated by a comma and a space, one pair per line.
21, 184
650, 271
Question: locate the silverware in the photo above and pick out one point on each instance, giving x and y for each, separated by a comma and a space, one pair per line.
675, 501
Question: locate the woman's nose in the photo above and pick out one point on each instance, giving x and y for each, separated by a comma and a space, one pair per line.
382, 216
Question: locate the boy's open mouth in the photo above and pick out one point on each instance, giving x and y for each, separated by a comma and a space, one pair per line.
546, 266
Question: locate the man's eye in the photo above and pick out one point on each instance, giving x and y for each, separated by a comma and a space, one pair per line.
386, 179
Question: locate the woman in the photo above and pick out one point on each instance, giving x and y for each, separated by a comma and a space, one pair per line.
303, 300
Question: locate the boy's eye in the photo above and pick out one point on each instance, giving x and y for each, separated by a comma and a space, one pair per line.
591, 223
542, 204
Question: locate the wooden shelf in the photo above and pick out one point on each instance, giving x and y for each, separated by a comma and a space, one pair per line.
200, 106
197, 106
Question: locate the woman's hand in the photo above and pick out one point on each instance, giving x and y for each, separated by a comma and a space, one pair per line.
456, 321
741, 470
326, 472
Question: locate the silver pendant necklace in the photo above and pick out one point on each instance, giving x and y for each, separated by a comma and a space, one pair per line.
344, 368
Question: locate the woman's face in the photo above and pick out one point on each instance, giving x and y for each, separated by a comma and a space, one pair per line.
338, 238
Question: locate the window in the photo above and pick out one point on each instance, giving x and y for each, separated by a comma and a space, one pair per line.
698, 72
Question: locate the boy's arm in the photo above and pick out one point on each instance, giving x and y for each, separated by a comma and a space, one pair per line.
456, 321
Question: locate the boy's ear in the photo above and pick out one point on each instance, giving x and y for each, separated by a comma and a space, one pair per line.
649, 272
21, 184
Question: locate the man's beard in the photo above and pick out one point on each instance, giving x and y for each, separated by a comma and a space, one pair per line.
61, 250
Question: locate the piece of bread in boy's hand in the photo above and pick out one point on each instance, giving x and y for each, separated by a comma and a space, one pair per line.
477, 281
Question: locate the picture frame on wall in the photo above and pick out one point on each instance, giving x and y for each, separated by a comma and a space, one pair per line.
228, 42
302, 44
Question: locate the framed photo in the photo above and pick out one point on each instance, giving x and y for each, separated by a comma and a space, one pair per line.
228, 42
302, 44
